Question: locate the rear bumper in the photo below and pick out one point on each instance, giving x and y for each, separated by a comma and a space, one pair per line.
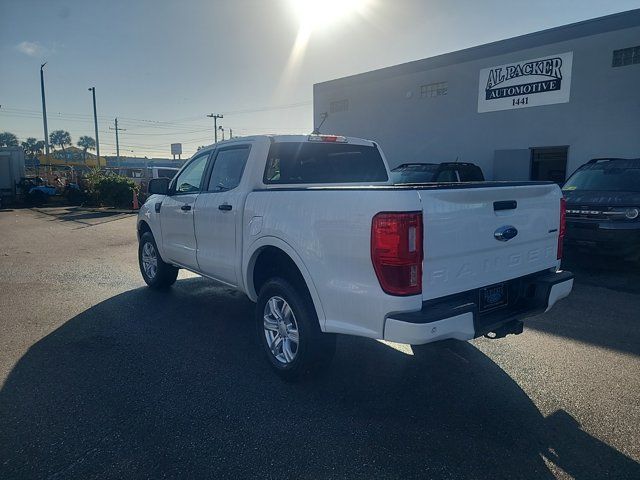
457, 316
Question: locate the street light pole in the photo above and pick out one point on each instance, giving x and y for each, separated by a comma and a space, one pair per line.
44, 112
215, 124
95, 122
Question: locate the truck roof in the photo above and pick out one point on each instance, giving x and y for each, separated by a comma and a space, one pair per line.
291, 138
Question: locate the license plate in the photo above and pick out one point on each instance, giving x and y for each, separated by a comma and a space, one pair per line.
492, 297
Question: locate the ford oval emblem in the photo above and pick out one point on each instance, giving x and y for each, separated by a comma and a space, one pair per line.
506, 232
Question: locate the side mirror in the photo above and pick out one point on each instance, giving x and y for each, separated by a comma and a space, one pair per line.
159, 186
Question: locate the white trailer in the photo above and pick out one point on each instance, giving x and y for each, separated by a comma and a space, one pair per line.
11, 171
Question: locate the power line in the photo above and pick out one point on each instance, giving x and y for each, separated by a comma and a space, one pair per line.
179, 121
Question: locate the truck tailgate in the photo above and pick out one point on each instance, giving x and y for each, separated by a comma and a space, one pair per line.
461, 251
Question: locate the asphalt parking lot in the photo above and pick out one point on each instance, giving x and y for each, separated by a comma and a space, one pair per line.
101, 377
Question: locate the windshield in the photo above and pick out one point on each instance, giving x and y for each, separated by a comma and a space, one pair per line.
613, 175
417, 173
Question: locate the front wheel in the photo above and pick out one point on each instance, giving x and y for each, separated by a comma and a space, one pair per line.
289, 332
156, 273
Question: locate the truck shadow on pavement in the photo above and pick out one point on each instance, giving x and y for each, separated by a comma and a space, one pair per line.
149, 384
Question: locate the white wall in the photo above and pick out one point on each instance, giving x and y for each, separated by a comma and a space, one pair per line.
601, 119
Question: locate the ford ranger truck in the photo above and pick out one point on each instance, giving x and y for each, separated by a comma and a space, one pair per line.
313, 231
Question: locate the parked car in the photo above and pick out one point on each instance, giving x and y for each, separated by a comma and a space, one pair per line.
312, 230
142, 175
603, 206
436, 172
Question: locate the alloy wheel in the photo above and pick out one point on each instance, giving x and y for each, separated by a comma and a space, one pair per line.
281, 330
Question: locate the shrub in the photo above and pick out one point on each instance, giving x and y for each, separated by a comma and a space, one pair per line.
111, 190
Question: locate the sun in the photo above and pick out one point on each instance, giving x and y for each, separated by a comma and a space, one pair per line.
314, 14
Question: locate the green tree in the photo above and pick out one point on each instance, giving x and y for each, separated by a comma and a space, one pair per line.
8, 139
86, 143
60, 138
29, 146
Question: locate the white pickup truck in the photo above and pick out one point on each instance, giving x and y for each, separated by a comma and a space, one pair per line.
312, 229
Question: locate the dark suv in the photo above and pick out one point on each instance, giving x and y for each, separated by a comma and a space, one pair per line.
603, 206
436, 172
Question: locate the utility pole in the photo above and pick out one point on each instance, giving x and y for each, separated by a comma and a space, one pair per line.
44, 112
215, 124
117, 141
95, 122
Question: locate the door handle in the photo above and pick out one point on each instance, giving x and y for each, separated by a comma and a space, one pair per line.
225, 206
186, 208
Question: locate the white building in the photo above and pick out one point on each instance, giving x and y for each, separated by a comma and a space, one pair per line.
532, 107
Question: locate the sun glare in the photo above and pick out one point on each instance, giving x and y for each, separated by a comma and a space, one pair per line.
314, 14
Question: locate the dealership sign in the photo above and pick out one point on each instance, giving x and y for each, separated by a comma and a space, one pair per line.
529, 83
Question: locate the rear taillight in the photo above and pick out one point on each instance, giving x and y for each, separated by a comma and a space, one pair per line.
563, 226
396, 252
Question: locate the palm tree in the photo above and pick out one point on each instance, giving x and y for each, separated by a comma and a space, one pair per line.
29, 146
61, 138
86, 143
8, 139
38, 147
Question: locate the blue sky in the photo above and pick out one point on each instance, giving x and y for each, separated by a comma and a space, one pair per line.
161, 66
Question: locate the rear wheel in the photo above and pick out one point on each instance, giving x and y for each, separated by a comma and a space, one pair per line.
289, 332
156, 273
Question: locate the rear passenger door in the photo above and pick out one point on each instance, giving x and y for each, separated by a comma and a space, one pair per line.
218, 214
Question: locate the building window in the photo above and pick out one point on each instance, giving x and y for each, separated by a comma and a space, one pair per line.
339, 106
434, 89
626, 56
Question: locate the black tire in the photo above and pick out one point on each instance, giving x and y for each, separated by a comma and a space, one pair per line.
165, 274
315, 349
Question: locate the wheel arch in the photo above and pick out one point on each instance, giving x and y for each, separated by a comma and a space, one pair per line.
143, 227
271, 257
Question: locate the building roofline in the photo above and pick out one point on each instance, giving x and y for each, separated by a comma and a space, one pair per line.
584, 28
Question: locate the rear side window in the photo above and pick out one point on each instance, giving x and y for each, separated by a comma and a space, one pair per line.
227, 169
447, 176
416, 173
302, 162
470, 173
